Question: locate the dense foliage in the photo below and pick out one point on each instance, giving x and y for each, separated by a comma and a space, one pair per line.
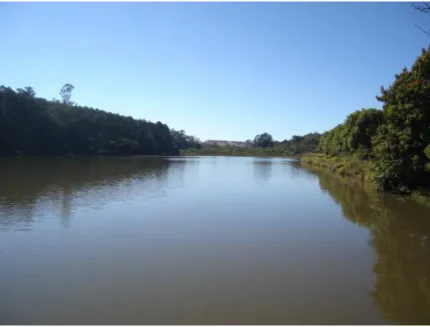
354, 135
31, 125
183, 141
263, 140
397, 138
401, 148
300, 144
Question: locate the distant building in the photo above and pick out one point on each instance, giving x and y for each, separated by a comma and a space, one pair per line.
226, 143
239, 144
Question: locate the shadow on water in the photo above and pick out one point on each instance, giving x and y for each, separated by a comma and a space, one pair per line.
400, 238
56, 185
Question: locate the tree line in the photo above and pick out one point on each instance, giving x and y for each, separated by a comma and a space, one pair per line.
31, 125
395, 139
35, 126
182, 141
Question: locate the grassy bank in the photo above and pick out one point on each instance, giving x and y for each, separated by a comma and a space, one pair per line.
345, 166
355, 170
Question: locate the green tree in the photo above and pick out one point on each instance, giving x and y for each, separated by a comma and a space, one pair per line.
263, 140
354, 136
360, 128
30, 125
183, 141
66, 93
27, 91
400, 158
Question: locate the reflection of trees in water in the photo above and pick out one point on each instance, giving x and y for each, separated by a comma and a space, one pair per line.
66, 207
176, 174
47, 185
400, 234
262, 170
297, 171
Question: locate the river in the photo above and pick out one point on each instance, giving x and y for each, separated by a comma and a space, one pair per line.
205, 240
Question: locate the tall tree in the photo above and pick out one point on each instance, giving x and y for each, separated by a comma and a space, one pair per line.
400, 146
263, 140
66, 94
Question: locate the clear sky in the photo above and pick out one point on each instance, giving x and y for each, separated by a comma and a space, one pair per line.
216, 70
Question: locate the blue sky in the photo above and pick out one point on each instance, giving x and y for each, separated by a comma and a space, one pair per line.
216, 70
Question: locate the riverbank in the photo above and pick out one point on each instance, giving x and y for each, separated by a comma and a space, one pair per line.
237, 153
354, 169
345, 166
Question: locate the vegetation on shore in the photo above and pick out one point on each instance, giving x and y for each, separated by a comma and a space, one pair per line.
263, 145
345, 166
30, 125
389, 148
235, 151
35, 126
355, 170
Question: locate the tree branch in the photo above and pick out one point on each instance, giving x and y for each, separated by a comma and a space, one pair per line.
423, 7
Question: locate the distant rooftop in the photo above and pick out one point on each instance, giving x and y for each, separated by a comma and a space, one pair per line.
225, 142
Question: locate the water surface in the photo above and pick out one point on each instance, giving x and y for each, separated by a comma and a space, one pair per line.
210, 240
